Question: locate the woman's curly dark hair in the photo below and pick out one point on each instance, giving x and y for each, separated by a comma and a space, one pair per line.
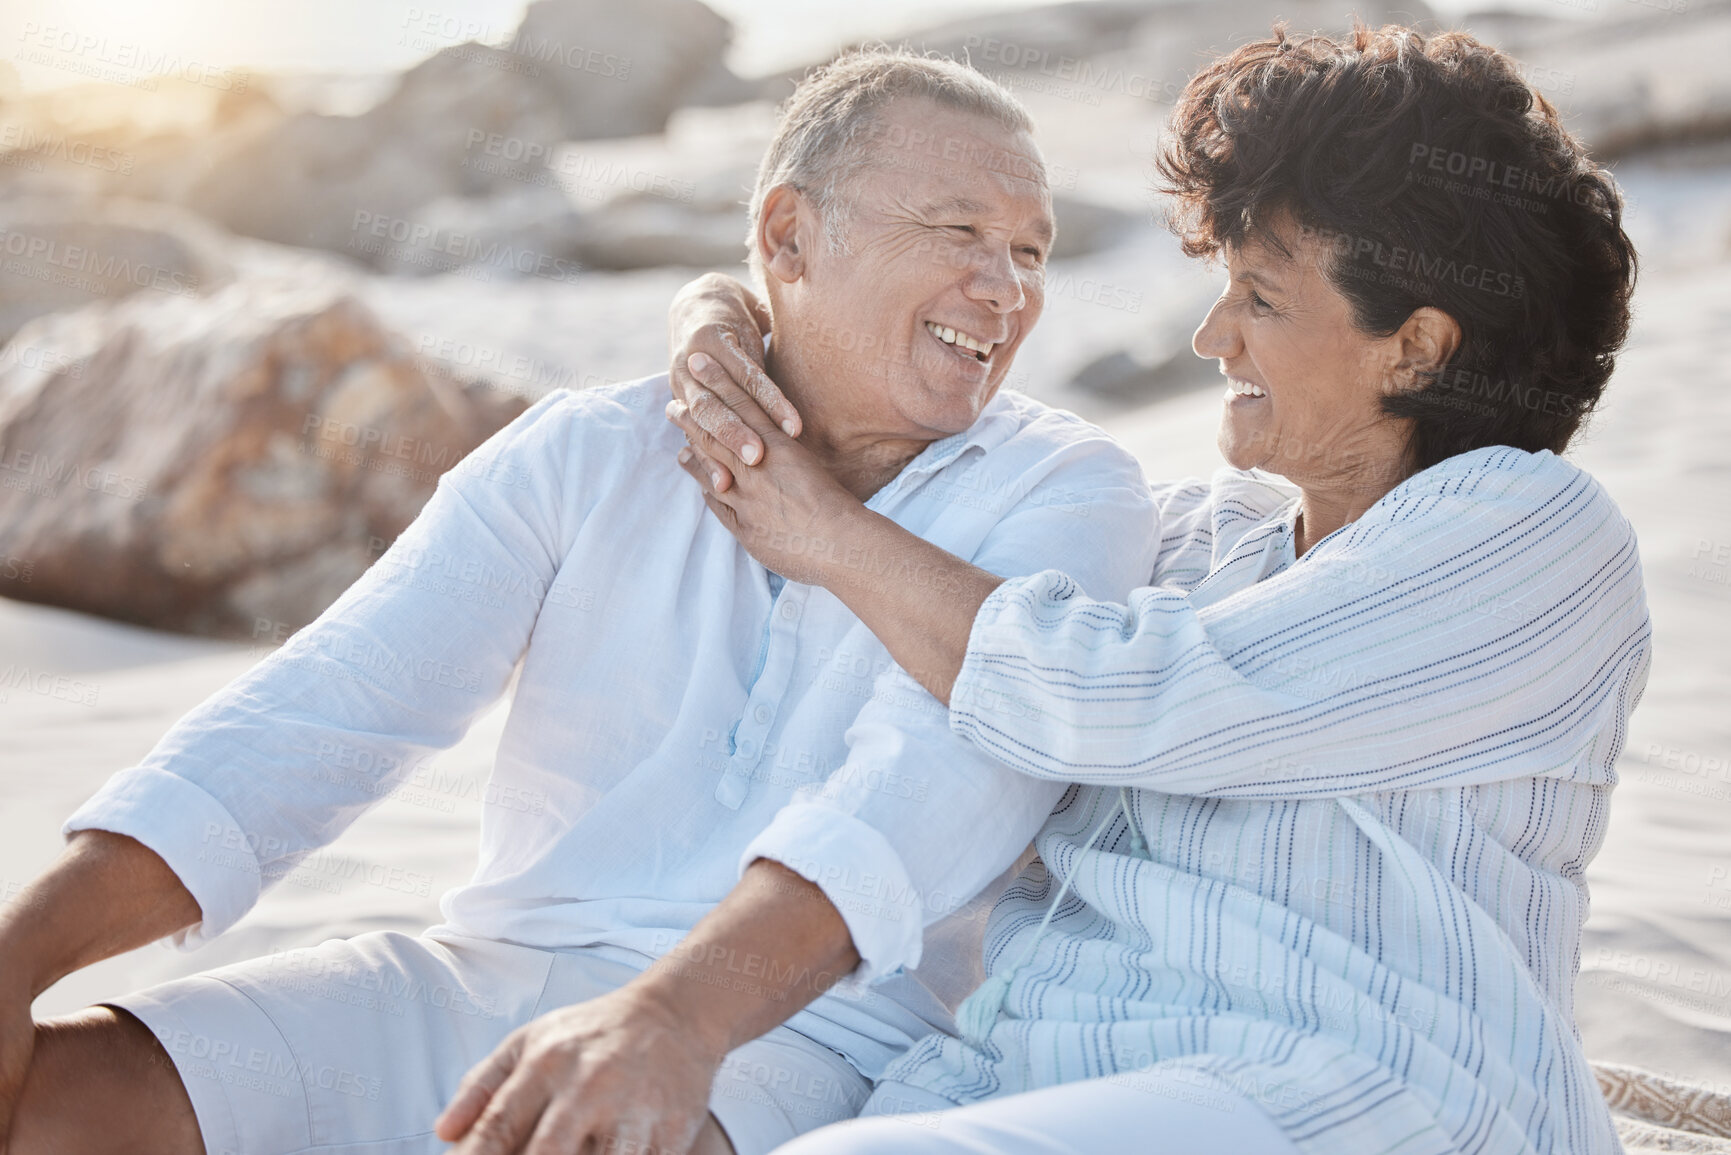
1437, 176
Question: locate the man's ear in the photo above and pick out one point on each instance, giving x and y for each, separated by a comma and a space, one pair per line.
781, 225
1424, 344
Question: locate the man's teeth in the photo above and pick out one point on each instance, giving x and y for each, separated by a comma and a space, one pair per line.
952, 337
1243, 388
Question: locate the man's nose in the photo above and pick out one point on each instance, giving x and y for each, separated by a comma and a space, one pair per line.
992, 277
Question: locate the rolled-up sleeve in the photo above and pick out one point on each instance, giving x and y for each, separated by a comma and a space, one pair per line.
189, 830
917, 820
860, 873
281, 760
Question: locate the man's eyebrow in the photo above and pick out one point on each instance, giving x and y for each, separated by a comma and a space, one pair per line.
1044, 228
955, 204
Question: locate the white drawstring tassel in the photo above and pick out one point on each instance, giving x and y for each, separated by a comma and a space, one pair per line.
1137, 846
979, 1012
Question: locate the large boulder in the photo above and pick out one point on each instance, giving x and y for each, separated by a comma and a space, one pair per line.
676, 198
1076, 30
472, 120
1652, 77
1144, 50
91, 141
57, 254
207, 464
1124, 378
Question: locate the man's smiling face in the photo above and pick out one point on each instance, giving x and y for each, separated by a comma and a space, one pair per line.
947, 228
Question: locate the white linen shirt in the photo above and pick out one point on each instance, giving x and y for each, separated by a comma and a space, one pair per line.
676, 714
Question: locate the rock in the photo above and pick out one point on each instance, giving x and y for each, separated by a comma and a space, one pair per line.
647, 229
1173, 43
1510, 30
1086, 226
1057, 30
1142, 49
472, 120
205, 464
621, 69
525, 231
644, 231
92, 141
1655, 78
1121, 377
57, 255
673, 199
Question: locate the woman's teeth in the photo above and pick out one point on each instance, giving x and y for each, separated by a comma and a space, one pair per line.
1237, 388
952, 337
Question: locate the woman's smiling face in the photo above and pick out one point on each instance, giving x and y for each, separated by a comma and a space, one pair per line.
1304, 384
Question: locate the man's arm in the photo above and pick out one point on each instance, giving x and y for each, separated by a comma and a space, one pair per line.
239, 789
632, 1070
104, 895
281, 760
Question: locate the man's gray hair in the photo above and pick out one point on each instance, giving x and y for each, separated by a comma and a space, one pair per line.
825, 135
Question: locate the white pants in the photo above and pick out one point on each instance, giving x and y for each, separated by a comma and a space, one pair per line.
1155, 1111
354, 1046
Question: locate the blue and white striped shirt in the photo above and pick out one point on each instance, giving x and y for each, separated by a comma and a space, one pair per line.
1369, 782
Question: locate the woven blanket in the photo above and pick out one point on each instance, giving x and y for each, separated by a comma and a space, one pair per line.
1659, 1114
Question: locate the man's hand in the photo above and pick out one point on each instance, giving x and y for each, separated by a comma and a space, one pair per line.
622, 1070
632, 1070
716, 328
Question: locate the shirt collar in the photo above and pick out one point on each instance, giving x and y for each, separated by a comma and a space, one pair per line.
997, 422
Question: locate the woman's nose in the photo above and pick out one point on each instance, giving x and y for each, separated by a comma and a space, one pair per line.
1217, 336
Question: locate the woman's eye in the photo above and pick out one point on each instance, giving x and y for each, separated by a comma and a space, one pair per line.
969, 229
1256, 301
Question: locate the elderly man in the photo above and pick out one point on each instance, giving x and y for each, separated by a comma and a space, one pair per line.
716, 794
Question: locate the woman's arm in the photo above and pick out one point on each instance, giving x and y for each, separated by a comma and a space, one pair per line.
797, 520
1486, 624
1489, 624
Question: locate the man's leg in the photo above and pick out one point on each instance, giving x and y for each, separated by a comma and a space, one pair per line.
101, 1084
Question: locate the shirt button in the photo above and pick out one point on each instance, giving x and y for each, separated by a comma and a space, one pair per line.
746, 747
761, 714
731, 792
789, 611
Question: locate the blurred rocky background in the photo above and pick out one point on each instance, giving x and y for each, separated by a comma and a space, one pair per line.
248, 318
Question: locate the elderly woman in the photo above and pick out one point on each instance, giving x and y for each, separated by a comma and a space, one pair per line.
1339, 769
